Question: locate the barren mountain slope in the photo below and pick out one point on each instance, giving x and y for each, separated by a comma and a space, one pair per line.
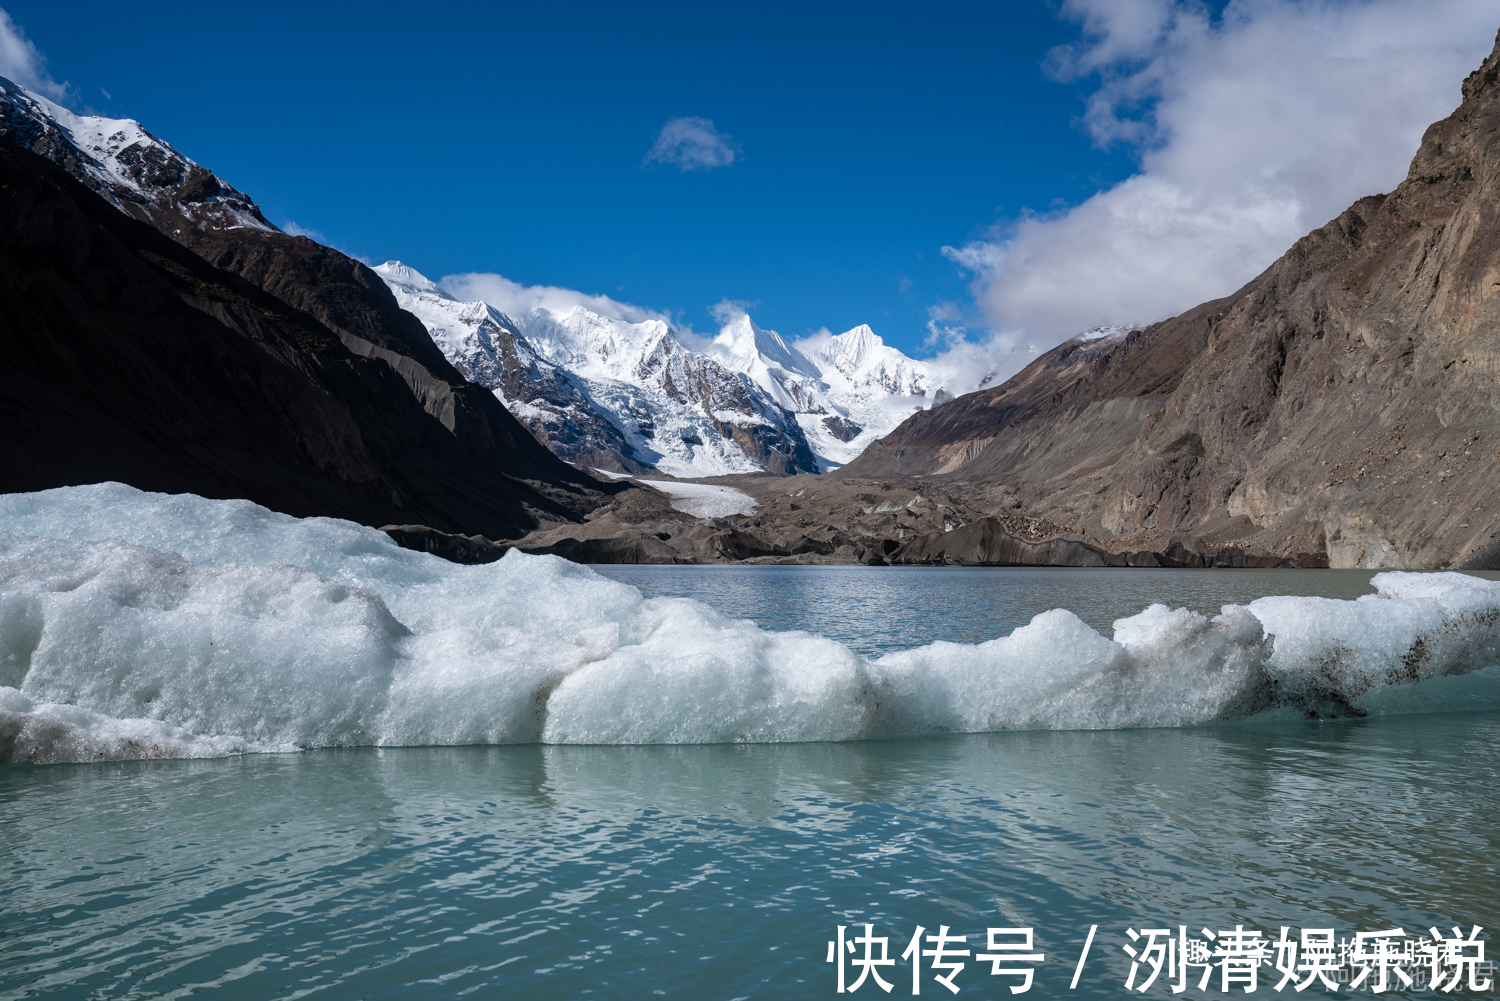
1141, 365
1352, 399
1346, 403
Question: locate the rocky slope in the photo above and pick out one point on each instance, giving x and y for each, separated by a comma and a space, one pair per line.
628, 396
828, 519
1344, 407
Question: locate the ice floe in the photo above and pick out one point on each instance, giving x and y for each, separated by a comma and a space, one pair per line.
147, 625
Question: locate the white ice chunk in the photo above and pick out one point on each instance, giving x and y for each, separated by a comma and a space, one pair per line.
141, 625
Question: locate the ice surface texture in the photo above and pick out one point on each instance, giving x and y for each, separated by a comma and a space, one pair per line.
147, 625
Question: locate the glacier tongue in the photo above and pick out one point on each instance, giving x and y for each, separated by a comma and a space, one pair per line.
626, 393
703, 500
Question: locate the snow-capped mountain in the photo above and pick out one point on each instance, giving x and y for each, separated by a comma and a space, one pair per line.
606, 392
1113, 332
129, 167
627, 395
846, 389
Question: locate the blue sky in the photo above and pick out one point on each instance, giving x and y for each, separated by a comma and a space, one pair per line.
512, 138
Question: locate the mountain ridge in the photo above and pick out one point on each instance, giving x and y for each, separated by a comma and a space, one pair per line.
141, 175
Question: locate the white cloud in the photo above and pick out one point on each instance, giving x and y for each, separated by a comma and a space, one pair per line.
961, 364
292, 228
945, 325
1251, 131
965, 365
22, 63
692, 144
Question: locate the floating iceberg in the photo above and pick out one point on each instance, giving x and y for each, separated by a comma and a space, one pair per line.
147, 625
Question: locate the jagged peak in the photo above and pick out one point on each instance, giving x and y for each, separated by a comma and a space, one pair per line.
1484, 75
746, 343
854, 348
861, 334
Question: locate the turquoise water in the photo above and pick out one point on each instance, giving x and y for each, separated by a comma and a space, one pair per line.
723, 871
876, 610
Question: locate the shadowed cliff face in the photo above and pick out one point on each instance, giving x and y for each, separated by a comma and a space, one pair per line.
1346, 402
130, 358
352, 301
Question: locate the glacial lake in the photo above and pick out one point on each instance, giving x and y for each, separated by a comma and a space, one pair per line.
724, 871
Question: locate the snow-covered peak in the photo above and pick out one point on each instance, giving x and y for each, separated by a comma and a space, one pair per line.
859, 360
590, 343
747, 347
141, 175
408, 278
852, 350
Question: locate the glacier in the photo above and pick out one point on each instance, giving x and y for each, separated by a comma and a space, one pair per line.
631, 394
148, 625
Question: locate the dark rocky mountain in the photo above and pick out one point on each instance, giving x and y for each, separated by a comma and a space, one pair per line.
1342, 408
129, 357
